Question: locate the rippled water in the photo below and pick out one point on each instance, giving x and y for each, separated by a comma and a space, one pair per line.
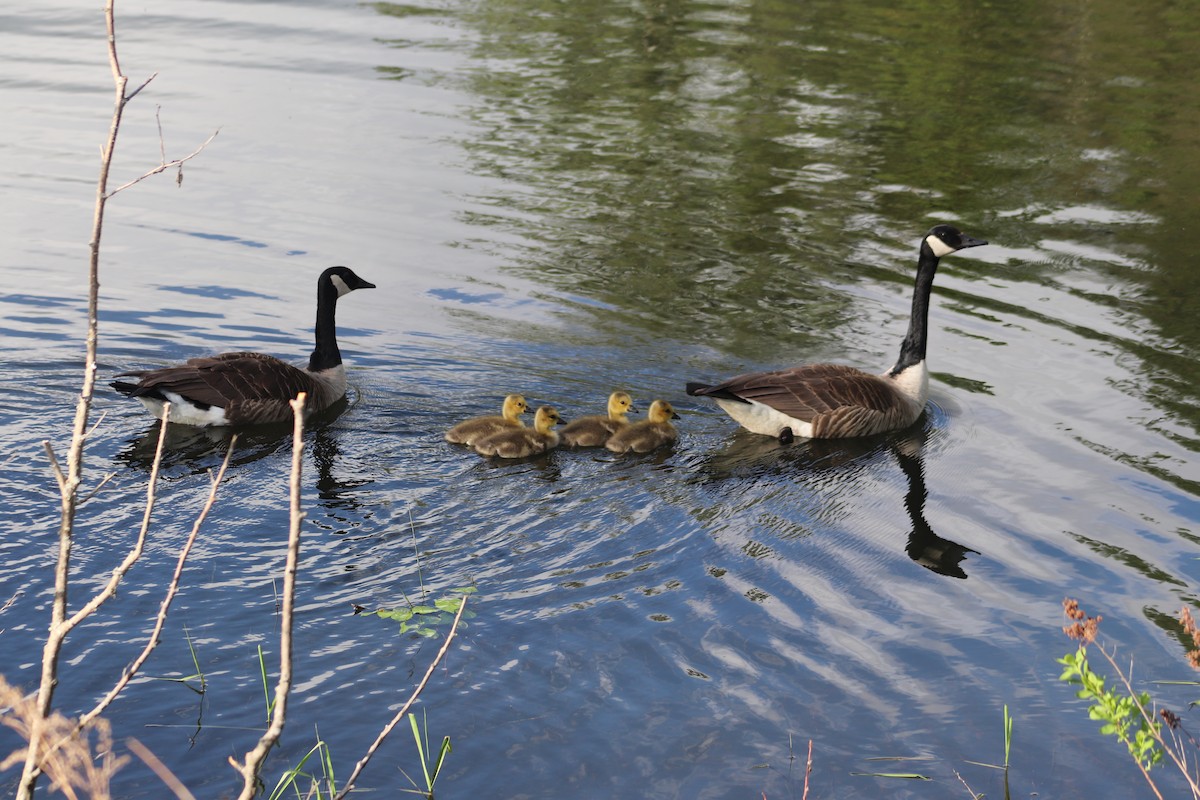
563, 200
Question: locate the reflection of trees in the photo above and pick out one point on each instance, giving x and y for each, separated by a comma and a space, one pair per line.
723, 171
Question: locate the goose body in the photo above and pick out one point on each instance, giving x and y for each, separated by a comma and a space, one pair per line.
653, 432
524, 442
594, 431
470, 431
833, 401
252, 388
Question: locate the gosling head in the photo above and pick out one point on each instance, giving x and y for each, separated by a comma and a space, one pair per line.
514, 406
661, 411
546, 418
620, 404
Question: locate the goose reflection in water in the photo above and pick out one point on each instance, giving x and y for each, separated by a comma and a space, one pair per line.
189, 450
824, 462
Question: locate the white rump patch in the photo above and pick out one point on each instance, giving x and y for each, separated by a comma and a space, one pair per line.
183, 412
761, 418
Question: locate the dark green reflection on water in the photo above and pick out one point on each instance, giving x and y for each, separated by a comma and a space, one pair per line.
719, 170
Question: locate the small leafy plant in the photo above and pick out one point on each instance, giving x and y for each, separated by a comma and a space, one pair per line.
1126, 714
423, 619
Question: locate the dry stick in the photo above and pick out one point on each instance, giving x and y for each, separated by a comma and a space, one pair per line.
160, 769
172, 587
166, 165
383, 734
807, 771
255, 757
69, 484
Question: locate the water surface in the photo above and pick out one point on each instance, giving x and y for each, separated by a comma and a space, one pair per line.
567, 199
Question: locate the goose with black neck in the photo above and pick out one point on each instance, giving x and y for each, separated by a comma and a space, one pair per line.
833, 401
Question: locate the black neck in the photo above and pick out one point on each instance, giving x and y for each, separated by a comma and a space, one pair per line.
912, 350
326, 353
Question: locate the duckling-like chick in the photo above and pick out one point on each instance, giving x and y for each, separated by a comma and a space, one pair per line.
524, 442
594, 431
472, 430
651, 433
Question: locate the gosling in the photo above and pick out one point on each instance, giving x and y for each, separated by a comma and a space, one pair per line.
472, 430
594, 431
653, 432
524, 442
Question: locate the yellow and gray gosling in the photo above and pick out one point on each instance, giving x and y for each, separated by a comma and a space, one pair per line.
524, 442
472, 430
649, 434
252, 388
594, 431
834, 401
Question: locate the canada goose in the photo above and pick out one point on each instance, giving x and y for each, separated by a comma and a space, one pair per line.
472, 430
832, 401
594, 431
649, 434
524, 442
252, 388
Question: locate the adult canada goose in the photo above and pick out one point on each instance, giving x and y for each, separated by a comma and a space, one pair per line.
524, 442
831, 401
649, 434
252, 388
472, 430
594, 431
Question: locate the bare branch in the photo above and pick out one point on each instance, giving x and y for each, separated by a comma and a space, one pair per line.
145, 83
166, 166
99, 486
58, 473
168, 597
387, 729
250, 769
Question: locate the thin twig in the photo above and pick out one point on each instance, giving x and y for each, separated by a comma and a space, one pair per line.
145, 83
387, 729
139, 544
166, 166
8, 603
69, 487
807, 771
254, 759
160, 769
968, 787
58, 473
1153, 726
99, 486
162, 142
168, 597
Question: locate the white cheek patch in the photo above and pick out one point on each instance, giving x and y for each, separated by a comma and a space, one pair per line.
939, 248
340, 285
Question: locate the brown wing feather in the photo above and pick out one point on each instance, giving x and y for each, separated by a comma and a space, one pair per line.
231, 379
812, 391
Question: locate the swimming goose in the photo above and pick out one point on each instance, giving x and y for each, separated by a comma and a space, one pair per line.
472, 430
832, 401
649, 434
524, 442
593, 431
252, 388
